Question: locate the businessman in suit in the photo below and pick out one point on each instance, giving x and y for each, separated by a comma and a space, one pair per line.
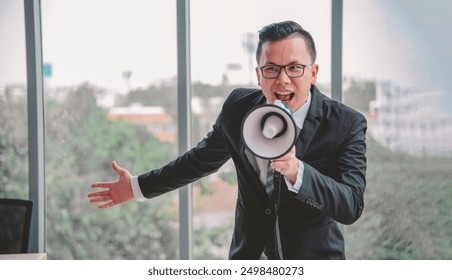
323, 174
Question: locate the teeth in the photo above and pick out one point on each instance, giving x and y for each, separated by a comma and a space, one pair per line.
284, 95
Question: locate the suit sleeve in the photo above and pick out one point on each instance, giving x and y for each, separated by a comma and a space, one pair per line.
206, 158
339, 192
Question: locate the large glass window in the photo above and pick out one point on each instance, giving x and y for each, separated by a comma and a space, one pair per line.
111, 94
13, 102
223, 44
397, 72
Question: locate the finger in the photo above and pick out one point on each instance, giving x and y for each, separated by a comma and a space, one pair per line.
276, 165
96, 194
104, 185
289, 154
116, 167
107, 205
101, 199
283, 158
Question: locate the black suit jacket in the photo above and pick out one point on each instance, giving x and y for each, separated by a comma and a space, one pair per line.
332, 147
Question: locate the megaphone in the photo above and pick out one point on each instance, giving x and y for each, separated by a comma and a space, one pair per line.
269, 131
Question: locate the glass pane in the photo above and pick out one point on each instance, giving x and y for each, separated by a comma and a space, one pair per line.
13, 102
110, 89
397, 71
223, 42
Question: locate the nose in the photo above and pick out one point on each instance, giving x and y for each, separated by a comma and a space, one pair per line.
283, 78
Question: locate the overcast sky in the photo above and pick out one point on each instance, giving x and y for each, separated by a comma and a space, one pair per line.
406, 41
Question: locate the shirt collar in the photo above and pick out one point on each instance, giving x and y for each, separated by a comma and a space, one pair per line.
300, 115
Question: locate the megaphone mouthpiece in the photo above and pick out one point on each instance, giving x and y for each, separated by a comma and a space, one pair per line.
273, 125
283, 105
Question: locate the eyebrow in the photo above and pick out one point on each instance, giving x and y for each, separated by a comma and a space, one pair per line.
293, 62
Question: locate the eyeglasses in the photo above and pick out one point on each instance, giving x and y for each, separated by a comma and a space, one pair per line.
292, 70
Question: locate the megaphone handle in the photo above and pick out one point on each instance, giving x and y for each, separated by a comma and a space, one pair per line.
277, 185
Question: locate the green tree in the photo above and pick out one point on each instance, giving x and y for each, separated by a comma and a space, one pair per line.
359, 94
164, 95
13, 144
407, 212
80, 144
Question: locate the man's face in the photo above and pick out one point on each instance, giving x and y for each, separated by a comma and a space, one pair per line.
292, 91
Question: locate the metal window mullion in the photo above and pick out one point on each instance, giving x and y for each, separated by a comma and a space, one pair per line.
336, 49
184, 125
35, 96
336, 57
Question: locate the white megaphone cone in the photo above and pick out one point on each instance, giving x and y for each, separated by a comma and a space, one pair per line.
269, 131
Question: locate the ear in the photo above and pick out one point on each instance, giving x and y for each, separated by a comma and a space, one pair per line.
258, 74
314, 72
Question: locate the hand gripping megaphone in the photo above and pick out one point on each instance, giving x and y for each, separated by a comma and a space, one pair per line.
269, 131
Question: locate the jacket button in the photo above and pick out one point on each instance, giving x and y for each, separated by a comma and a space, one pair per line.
268, 211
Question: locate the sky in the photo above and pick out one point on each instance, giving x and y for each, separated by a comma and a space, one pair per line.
405, 41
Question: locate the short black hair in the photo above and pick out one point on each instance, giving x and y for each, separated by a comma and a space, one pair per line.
280, 30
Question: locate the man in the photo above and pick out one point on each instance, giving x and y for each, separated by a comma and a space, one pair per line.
324, 173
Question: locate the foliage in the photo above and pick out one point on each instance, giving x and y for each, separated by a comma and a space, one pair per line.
164, 95
230, 177
80, 144
211, 243
13, 145
407, 212
359, 94
80, 139
206, 91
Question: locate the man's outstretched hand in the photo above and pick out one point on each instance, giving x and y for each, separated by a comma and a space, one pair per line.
116, 193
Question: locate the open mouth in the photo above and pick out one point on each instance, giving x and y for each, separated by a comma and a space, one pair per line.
286, 96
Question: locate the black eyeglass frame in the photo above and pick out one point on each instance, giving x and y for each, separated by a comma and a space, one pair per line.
285, 70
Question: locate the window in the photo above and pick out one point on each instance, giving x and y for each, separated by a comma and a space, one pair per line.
223, 42
13, 102
111, 78
390, 48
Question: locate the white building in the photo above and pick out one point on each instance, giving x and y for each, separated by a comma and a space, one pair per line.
411, 121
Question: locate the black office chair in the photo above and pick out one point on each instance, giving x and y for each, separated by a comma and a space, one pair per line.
15, 222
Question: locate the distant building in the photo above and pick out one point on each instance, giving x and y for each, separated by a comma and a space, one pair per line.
410, 121
156, 120
14, 90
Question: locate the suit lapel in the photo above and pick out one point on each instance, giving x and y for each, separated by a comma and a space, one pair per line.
311, 123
